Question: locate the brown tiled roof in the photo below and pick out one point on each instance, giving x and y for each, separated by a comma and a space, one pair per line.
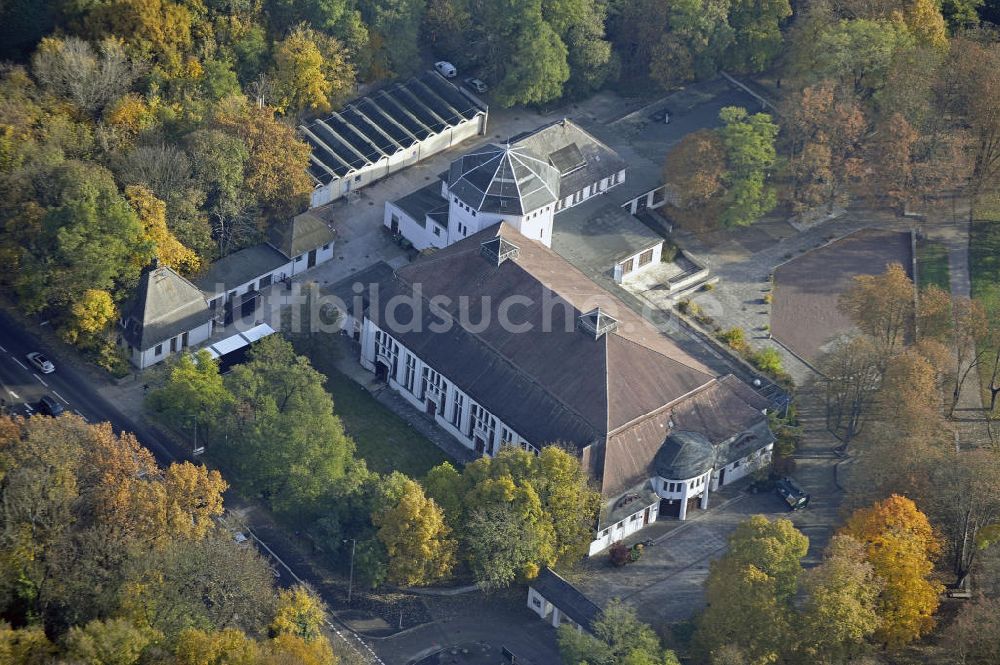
720, 412
551, 383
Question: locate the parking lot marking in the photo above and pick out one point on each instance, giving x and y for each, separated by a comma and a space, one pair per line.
13, 394
77, 412
60, 397
3, 349
18, 362
40, 379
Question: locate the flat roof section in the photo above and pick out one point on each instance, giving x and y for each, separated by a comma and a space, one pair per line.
596, 235
422, 202
230, 344
257, 332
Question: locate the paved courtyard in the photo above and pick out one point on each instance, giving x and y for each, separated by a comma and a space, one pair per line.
804, 315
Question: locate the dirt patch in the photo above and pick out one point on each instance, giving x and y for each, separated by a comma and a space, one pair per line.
804, 314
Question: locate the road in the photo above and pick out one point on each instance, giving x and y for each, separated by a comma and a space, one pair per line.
21, 385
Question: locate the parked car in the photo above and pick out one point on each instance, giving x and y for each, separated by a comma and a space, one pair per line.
446, 69
793, 495
476, 85
50, 406
43, 364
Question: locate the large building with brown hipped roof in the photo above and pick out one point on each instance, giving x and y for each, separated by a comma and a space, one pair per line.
503, 342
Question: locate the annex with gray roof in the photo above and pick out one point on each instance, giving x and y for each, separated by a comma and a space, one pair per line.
165, 305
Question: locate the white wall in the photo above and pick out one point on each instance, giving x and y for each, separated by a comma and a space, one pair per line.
744, 466
299, 264
622, 529
622, 276
590, 191
144, 358
503, 434
422, 237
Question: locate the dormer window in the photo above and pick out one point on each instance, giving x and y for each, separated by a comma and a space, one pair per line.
498, 250
596, 323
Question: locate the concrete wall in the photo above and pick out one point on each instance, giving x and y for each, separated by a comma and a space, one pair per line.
547, 611
622, 529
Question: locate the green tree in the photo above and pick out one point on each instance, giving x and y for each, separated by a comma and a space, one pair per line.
856, 54
618, 638
194, 389
504, 544
89, 239
284, 439
692, 48
751, 589
443, 484
413, 530
757, 38
538, 66
840, 613
750, 156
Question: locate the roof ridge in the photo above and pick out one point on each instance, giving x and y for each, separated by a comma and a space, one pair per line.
635, 422
616, 333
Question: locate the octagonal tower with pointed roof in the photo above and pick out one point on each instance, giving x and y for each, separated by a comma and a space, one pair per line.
502, 183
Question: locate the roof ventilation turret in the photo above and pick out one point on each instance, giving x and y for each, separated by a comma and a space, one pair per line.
497, 250
596, 323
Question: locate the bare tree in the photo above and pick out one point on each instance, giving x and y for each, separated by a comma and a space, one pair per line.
70, 68
851, 377
162, 168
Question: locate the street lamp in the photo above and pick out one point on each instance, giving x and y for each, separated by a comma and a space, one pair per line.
350, 580
195, 449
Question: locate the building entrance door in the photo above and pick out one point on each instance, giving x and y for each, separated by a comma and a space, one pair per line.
312, 258
480, 445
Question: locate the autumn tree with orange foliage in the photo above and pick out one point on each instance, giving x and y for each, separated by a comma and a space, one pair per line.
901, 547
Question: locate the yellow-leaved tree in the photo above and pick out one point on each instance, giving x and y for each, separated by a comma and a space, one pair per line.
900, 545
152, 213
89, 317
412, 528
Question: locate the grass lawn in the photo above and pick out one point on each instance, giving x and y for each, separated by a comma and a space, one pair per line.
932, 265
385, 441
984, 260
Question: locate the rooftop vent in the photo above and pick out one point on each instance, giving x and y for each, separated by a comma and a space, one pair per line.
498, 250
596, 323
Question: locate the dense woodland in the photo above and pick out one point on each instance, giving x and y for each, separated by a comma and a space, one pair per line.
134, 129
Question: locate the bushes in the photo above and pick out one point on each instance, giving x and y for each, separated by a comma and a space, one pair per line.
736, 339
767, 360
619, 555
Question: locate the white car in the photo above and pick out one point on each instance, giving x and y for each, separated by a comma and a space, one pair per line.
446, 69
43, 364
